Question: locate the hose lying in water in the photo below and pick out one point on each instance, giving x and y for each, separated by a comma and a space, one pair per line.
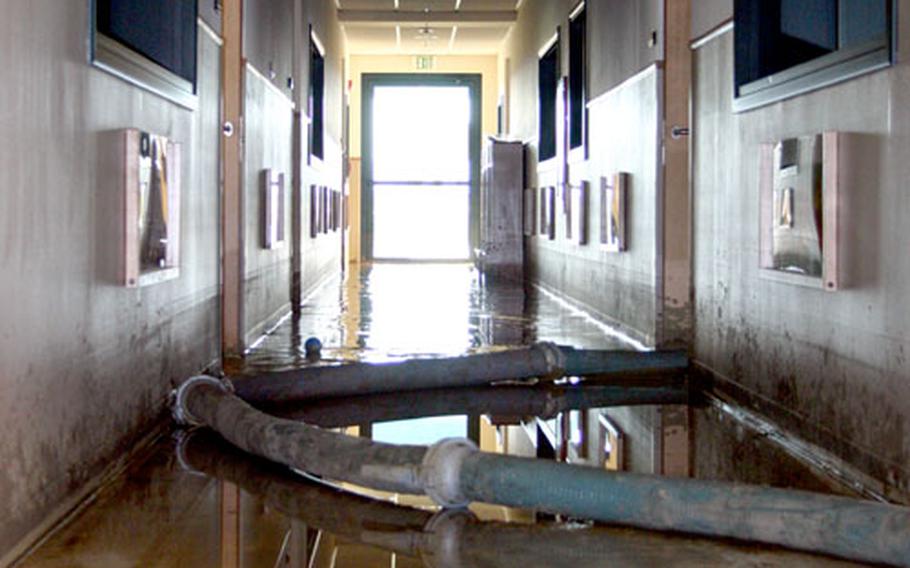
542, 360
456, 538
511, 401
454, 473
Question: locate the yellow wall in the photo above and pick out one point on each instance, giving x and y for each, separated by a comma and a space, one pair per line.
486, 65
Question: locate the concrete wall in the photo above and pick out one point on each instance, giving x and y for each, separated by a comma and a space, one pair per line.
623, 124
269, 127
322, 255
627, 38
625, 94
87, 363
620, 286
268, 39
276, 45
830, 366
707, 15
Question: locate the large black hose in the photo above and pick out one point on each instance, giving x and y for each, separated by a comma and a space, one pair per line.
353, 517
387, 467
542, 360
854, 529
454, 473
459, 540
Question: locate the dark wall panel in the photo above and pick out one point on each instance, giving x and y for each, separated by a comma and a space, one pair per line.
708, 14
621, 31
210, 12
268, 39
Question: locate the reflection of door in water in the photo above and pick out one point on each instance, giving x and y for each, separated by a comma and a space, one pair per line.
421, 172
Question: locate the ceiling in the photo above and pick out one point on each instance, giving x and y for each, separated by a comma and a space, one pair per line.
436, 27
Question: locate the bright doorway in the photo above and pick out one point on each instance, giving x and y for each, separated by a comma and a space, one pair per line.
421, 146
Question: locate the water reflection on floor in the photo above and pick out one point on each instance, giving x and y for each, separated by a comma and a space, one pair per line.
394, 311
195, 502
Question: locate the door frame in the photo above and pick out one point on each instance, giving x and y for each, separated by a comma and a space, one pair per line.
369, 82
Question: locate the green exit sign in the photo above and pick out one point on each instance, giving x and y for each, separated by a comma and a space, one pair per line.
424, 62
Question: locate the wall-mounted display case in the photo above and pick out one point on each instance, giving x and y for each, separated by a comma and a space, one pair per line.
799, 185
613, 214
151, 208
273, 207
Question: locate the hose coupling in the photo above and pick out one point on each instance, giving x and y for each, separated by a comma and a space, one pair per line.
440, 471
442, 538
555, 358
180, 411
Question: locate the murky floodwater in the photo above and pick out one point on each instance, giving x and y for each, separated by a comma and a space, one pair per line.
193, 501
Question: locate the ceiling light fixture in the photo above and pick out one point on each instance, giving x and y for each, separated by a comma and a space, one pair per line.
426, 34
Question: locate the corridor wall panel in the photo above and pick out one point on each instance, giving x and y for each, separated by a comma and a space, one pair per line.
268, 40
624, 114
321, 257
86, 364
831, 367
269, 123
624, 37
709, 14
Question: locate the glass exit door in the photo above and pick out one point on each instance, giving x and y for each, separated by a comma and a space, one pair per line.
419, 168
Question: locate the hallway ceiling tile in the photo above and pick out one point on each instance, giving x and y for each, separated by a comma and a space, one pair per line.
376, 27
420, 5
481, 38
370, 39
367, 4
488, 5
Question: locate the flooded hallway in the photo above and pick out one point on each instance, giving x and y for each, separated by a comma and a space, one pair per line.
357, 283
192, 500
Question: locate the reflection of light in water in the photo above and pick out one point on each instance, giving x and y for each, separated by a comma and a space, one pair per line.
421, 431
606, 329
419, 309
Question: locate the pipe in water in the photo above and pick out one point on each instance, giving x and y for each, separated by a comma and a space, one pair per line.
542, 360
453, 472
456, 537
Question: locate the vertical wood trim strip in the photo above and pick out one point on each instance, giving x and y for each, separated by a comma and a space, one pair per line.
232, 194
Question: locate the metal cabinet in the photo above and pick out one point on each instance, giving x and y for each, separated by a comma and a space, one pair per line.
501, 253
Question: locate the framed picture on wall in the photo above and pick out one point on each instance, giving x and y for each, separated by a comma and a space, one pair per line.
330, 210
314, 211
530, 212
566, 191
273, 209
799, 184
326, 210
611, 444
544, 216
578, 438
336, 210
551, 213
582, 199
151, 208
613, 204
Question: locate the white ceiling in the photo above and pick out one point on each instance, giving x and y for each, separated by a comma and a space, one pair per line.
381, 27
